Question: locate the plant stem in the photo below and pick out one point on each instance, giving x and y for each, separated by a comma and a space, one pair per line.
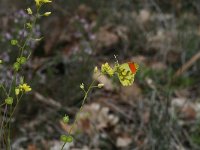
13, 84
8, 135
83, 102
4, 116
63, 145
12, 113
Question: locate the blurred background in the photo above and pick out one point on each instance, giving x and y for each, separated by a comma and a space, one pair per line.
160, 111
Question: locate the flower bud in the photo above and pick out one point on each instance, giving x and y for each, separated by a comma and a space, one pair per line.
100, 85
16, 66
69, 139
17, 91
14, 42
82, 86
66, 138
28, 25
95, 69
47, 14
9, 100
63, 138
65, 119
29, 11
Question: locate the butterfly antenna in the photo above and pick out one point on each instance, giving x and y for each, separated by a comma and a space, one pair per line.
117, 62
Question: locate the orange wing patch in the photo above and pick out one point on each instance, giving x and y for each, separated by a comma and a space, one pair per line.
133, 67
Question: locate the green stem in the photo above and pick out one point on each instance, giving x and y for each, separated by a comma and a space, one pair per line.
83, 102
2, 104
4, 89
31, 33
9, 126
63, 145
12, 113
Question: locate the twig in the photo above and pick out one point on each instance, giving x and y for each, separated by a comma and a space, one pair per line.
187, 65
49, 101
52, 103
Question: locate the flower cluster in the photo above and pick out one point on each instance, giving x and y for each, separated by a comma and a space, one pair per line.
20, 61
22, 88
106, 69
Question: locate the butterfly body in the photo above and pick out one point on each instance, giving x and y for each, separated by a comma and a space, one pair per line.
126, 73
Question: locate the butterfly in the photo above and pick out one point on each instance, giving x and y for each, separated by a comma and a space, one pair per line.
126, 73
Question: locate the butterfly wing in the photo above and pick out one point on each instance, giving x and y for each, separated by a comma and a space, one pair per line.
125, 74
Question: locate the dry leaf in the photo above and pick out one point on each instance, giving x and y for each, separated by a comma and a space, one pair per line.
32, 147
189, 112
158, 66
139, 59
178, 102
106, 39
123, 141
83, 10
95, 114
145, 117
64, 126
131, 92
182, 93
173, 56
144, 16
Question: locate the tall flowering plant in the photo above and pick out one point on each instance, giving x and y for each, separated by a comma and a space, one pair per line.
125, 73
14, 92
18, 87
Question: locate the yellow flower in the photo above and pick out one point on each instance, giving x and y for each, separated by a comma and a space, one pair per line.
24, 87
17, 91
105, 68
29, 11
37, 2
